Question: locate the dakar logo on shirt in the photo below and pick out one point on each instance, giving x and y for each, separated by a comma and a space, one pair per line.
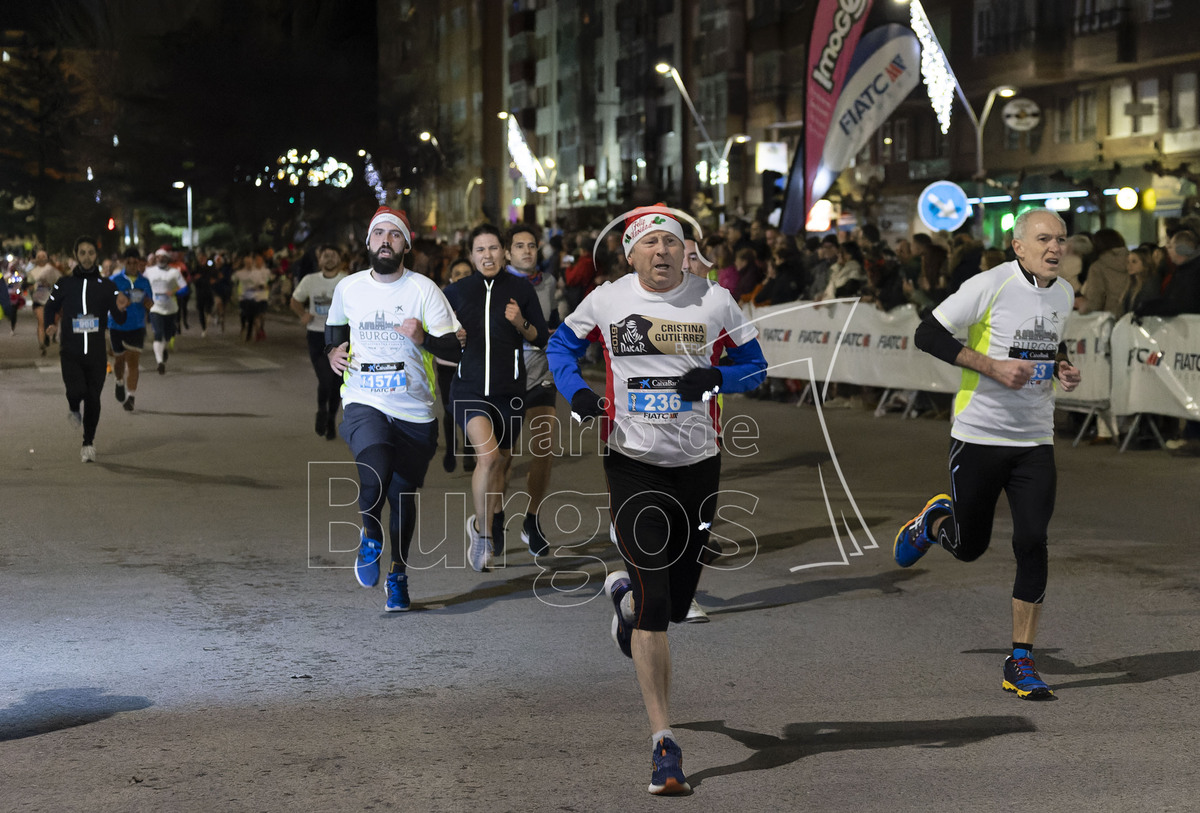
638, 335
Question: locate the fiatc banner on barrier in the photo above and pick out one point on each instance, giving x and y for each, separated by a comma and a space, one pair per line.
849, 342
1088, 339
1156, 366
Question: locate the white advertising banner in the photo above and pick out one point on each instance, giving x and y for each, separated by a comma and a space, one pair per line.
1087, 338
1156, 367
850, 343
853, 343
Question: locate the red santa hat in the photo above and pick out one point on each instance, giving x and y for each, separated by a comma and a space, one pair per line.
386, 214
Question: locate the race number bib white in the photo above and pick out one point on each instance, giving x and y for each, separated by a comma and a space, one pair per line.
382, 377
321, 308
85, 324
137, 295
162, 299
655, 399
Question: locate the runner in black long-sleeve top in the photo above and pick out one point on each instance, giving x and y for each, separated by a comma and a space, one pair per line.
499, 312
84, 300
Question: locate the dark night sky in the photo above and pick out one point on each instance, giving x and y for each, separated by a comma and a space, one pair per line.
204, 86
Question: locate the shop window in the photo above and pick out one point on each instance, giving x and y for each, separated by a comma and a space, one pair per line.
1183, 101
1120, 96
900, 140
1086, 108
1064, 121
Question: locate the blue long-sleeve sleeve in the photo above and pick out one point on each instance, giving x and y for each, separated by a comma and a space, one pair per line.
749, 368
563, 353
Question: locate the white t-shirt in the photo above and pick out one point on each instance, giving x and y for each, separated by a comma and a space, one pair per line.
317, 290
1004, 316
44, 277
651, 340
164, 282
255, 282
537, 368
387, 371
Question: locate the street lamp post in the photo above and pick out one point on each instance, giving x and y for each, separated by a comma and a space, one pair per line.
666, 69
723, 169
429, 137
552, 185
471, 184
1004, 92
191, 235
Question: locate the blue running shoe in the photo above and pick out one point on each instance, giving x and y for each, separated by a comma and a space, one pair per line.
366, 567
617, 587
396, 587
668, 778
1021, 677
912, 541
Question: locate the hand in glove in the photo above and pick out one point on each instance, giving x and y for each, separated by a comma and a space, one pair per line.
697, 381
585, 405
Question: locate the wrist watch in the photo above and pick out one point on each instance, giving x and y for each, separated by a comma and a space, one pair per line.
526, 325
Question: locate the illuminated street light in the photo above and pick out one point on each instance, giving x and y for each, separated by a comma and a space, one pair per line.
471, 184
1127, 198
190, 241
430, 138
667, 69
1004, 92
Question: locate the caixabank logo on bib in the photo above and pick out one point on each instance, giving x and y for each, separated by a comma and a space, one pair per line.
379, 333
638, 335
1036, 340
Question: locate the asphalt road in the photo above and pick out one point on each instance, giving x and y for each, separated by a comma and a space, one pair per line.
180, 629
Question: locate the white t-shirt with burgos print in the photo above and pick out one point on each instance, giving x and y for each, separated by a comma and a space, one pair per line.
387, 371
1005, 316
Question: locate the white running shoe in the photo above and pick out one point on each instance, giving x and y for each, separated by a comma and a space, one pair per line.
696, 614
88, 454
479, 552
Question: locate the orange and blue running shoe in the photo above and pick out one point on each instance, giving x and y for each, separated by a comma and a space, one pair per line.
1022, 677
912, 540
668, 778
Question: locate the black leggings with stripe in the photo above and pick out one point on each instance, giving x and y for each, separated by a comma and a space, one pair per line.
1027, 475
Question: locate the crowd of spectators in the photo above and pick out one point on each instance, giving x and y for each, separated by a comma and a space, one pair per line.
757, 263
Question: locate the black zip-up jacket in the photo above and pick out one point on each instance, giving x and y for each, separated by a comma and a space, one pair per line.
83, 296
492, 362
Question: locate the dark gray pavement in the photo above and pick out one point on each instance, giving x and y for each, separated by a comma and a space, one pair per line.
177, 633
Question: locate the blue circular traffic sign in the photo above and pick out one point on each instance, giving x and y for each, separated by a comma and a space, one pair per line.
943, 206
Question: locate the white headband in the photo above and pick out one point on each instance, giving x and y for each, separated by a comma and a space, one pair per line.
670, 223
646, 224
388, 217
